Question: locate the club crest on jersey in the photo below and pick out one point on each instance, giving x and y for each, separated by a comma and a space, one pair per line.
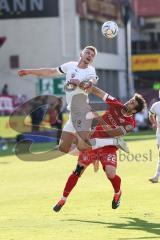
73, 75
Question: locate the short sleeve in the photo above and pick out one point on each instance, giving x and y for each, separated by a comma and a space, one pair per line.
154, 108
112, 101
92, 75
63, 69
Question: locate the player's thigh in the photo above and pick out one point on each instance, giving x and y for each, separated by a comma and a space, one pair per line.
83, 140
66, 141
109, 162
85, 159
81, 125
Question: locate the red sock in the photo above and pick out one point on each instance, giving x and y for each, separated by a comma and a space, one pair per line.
70, 184
116, 183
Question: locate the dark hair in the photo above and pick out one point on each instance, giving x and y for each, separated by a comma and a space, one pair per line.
141, 102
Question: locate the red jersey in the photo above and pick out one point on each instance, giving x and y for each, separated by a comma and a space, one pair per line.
113, 117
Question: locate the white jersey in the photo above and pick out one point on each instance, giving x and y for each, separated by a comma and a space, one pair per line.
155, 109
72, 71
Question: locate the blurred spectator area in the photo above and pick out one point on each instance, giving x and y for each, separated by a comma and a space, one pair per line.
9, 102
142, 121
16, 114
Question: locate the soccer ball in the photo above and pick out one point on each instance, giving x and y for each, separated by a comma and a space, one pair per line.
109, 29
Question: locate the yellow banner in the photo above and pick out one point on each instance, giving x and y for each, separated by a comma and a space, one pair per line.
11, 127
148, 62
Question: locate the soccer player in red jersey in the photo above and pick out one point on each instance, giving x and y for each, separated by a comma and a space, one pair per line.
116, 121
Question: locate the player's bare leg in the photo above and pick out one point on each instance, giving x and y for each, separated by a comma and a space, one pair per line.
66, 141
83, 139
116, 183
157, 175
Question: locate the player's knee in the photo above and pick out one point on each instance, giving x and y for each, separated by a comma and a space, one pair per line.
79, 170
63, 149
83, 148
110, 173
85, 145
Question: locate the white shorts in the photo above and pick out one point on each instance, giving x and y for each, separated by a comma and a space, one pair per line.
158, 139
68, 127
77, 123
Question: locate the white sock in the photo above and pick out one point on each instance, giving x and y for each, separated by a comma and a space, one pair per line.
63, 198
117, 193
158, 169
101, 142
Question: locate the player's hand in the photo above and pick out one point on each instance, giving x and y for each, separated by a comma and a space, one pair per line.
88, 85
22, 72
85, 85
74, 81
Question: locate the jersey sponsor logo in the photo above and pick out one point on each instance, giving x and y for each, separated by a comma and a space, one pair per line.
116, 113
111, 119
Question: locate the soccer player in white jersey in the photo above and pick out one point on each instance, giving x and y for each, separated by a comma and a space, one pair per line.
83, 71
154, 117
77, 98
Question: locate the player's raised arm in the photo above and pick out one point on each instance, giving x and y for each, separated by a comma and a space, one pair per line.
98, 92
41, 72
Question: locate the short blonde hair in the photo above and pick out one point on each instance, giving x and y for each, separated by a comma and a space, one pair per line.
91, 48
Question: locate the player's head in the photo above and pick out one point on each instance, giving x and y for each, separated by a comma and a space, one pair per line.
88, 53
136, 104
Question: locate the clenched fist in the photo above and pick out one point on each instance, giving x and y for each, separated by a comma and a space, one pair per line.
23, 72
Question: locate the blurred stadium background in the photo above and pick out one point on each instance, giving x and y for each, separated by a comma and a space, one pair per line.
47, 33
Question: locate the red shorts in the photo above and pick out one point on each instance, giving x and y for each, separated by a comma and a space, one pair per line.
106, 155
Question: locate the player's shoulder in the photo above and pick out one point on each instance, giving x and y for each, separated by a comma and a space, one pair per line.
91, 68
156, 104
71, 63
114, 100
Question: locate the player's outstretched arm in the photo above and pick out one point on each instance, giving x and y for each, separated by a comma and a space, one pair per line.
98, 92
41, 72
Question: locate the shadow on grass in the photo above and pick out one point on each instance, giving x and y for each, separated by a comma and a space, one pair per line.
4, 162
131, 224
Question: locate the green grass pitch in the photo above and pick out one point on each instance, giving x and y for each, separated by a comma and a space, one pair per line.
28, 190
